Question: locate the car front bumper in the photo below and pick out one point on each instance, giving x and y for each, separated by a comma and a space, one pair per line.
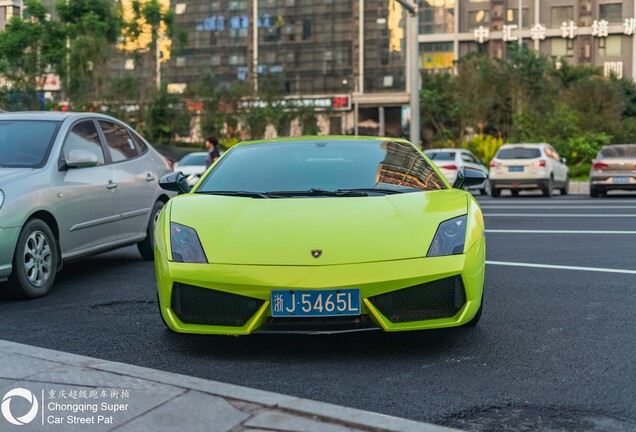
8, 239
255, 283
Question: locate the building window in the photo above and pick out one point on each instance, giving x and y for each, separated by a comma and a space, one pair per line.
610, 46
437, 17
612, 12
512, 17
560, 14
306, 29
9, 13
478, 18
180, 8
215, 60
562, 48
181, 61
237, 59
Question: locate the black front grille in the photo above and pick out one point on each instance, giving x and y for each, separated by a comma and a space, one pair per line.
333, 324
442, 298
196, 305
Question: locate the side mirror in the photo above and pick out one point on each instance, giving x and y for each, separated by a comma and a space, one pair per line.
467, 177
175, 182
80, 158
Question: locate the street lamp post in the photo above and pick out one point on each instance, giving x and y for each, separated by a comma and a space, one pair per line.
412, 44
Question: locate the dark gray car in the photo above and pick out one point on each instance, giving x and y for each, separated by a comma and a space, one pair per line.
71, 185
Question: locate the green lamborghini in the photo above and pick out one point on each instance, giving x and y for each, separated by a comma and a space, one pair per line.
320, 235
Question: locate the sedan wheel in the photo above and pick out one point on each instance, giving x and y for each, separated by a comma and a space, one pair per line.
35, 261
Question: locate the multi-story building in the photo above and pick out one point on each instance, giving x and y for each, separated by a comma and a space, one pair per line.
594, 32
326, 52
350, 56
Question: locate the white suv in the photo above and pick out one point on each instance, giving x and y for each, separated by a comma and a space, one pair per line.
528, 166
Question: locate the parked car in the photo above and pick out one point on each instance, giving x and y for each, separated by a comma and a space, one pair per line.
192, 163
294, 253
71, 185
450, 161
613, 169
528, 166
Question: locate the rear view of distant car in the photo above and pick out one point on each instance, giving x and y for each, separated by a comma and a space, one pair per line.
613, 169
518, 167
450, 161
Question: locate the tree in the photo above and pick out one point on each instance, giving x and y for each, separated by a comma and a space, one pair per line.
28, 48
92, 28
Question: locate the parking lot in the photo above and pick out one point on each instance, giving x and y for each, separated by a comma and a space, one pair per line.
555, 347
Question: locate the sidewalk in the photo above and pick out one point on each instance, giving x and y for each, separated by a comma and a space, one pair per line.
579, 188
66, 392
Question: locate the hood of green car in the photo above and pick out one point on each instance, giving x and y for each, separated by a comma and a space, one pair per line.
237, 230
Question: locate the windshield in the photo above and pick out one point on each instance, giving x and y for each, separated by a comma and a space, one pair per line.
618, 151
441, 155
25, 143
322, 166
518, 153
193, 159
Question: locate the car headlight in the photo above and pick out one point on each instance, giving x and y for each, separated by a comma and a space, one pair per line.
185, 244
1, 198
449, 238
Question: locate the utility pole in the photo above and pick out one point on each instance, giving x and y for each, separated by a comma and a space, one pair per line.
412, 50
520, 20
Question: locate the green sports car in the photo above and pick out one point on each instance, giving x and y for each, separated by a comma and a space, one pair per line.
320, 235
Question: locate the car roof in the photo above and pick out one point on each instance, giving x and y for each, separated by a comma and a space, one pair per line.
50, 115
527, 145
438, 150
314, 138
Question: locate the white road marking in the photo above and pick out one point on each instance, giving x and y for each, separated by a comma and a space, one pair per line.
502, 231
560, 215
557, 207
561, 267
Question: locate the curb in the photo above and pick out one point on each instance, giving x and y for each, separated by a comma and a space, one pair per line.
313, 410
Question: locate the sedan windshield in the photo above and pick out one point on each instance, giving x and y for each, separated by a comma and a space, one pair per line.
519, 153
25, 143
193, 159
321, 168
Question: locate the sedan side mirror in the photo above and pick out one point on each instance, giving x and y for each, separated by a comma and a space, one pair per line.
175, 182
467, 177
80, 158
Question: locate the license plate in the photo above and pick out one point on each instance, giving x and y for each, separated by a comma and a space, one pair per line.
620, 179
515, 169
315, 303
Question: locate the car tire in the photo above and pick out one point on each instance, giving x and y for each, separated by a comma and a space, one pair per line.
161, 315
494, 192
473, 322
549, 189
147, 246
596, 193
36, 245
566, 187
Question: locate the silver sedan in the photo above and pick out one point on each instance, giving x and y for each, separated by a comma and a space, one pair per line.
71, 185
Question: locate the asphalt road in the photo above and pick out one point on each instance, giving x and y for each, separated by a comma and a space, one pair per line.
555, 349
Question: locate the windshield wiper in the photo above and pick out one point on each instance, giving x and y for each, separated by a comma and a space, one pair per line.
242, 194
321, 192
378, 190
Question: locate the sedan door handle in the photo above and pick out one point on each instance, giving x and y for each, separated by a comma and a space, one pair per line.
111, 185
149, 177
